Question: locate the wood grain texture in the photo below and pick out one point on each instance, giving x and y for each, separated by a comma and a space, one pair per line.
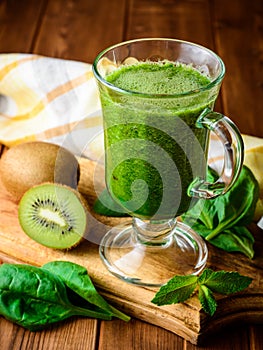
171, 19
141, 333
187, 319
239, 39
16, 34
63, 332
80, 29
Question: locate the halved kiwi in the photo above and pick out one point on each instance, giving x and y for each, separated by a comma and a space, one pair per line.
53, 215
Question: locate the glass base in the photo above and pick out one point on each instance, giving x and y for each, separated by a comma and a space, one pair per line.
150, 264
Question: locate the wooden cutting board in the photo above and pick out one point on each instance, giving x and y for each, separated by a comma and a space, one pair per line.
187, 319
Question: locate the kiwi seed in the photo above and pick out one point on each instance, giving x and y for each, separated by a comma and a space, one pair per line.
53, 215
31, 163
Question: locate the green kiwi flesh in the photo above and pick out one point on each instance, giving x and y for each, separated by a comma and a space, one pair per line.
53, 215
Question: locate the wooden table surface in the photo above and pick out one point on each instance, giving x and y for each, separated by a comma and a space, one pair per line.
78, 30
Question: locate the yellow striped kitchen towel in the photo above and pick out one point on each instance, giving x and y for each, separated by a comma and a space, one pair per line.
44, 98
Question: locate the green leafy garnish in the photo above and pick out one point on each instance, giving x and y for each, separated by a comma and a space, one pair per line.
176, 290
222, 221
105, 205
180, 288
207, 300
34, 297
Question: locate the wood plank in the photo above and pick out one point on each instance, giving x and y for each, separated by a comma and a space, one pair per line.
256, 337
62, 333
19, 24
136, 335
230, 338
10, 334
186, 320
171, 19
77, 30
239, 39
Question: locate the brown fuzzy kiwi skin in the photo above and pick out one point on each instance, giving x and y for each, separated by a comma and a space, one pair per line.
83, 203
31, 163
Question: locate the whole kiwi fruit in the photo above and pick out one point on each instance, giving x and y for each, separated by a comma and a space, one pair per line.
54, 215
31, 163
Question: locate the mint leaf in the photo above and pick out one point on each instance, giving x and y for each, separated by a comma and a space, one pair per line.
176, 290
180, 288
207, 300
224, 282
202, 279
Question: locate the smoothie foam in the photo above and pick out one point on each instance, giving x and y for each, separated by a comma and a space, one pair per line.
158, 78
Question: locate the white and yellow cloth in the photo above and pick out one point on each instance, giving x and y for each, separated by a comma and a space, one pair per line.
56, 100
45, 98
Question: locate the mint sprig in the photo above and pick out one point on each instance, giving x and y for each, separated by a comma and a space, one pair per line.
180, 288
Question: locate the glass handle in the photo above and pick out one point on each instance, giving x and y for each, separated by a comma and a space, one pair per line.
231, 139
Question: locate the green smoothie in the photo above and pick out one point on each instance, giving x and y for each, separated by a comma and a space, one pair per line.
154, 148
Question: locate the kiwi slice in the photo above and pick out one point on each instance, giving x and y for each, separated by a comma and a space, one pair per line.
53, 215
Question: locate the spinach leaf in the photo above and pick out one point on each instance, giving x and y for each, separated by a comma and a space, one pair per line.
222, 221
77, 279
105, 205
35, 298
235, 239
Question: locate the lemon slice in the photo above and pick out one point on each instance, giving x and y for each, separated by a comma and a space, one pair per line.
254, 160
259, 212
251, 141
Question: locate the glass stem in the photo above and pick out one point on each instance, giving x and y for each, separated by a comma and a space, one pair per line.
154, 232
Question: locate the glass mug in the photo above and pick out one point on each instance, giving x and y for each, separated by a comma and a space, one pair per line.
156, 146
